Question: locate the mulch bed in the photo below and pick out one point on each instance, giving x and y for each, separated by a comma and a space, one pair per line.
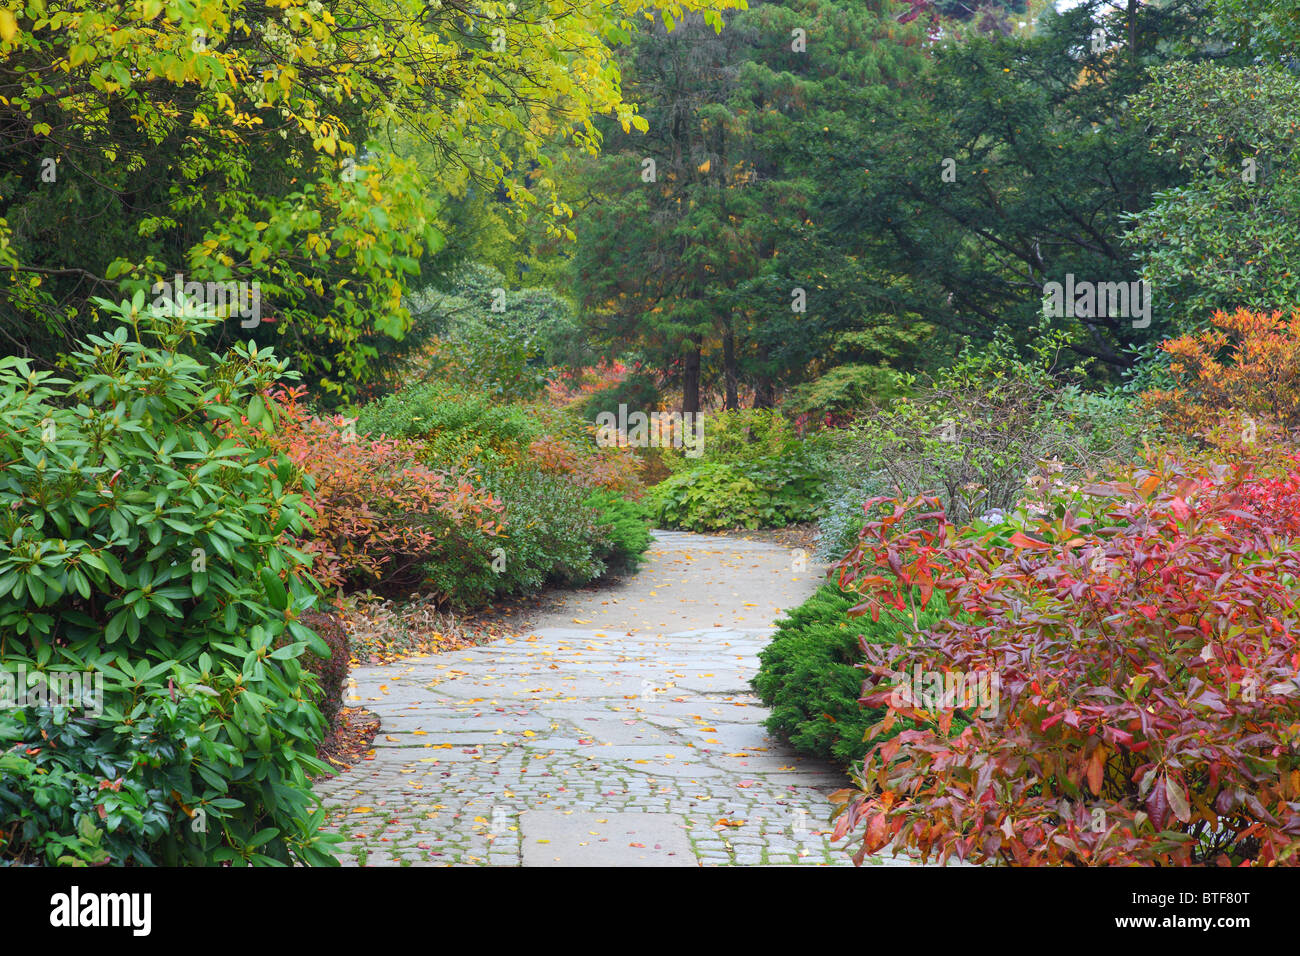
352, 741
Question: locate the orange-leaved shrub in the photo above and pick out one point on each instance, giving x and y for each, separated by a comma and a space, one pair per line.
1236, 383
380, 515
1141, 634
613, 469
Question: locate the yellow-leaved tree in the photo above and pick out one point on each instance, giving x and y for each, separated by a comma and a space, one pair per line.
240, 142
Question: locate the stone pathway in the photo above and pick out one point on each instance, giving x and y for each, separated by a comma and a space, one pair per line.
620, 731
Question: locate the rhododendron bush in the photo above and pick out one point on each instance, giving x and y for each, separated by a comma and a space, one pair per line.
1142, 634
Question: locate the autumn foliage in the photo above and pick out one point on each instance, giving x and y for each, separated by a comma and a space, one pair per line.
612, 469
1144, 635
380, 515
574, 385
1235, 382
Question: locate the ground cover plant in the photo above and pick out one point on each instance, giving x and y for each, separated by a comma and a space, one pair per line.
751, 470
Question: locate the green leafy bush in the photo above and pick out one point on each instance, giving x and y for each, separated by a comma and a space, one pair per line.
752, 470
624, 528
973, 434
843, 389
550, 535
810, 675
77, 791
455, 427
745, 435
141, 539
766, 493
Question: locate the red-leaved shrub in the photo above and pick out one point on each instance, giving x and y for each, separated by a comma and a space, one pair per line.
1143, 636
614, 469
379, 514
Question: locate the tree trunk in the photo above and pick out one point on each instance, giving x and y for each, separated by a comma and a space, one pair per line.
691, 378
1132, 30
730, 370
764, 389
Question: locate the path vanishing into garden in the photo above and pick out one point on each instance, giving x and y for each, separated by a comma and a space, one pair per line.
619, 730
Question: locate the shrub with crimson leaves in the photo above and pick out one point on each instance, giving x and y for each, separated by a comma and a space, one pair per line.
1143, 631
380, 515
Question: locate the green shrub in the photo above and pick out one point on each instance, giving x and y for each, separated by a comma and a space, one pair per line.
462, 571
456, 427
141, 538
753, 471
81, 792
624, 528
843, 389
551, 536
766, 493
745, 435
810, 674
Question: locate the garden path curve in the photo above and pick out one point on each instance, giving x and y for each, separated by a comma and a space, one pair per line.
620, 730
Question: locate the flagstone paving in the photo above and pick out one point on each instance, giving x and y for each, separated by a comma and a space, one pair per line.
619, 731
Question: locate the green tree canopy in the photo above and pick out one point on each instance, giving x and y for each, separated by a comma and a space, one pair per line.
266, 142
